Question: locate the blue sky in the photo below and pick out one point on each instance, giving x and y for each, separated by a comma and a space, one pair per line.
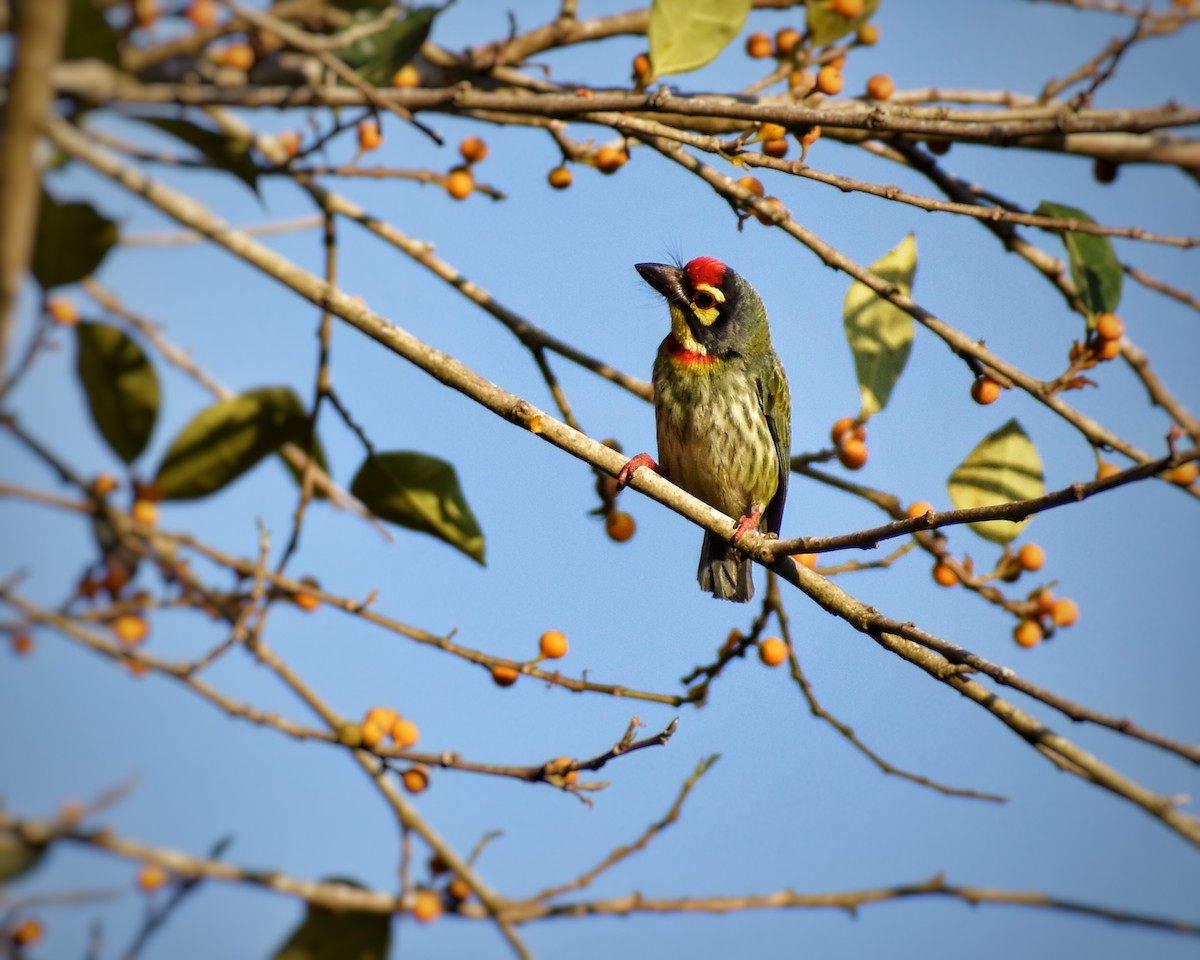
789, 805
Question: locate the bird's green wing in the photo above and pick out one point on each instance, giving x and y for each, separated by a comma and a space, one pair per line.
776, 403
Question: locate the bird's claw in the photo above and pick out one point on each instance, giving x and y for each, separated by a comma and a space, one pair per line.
631, 465
746, 523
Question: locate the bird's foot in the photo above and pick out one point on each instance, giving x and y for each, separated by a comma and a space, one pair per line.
627, 471
748, 522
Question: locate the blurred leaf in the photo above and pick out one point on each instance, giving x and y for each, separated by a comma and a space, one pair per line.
224, 152
1094, 266
298, 473
1004, 467
121, 386
825, 25
354, 6
72, 241
376, 58
89, 34
421, 493
880, 334
17, 857
687, 34
326, 934
225, 440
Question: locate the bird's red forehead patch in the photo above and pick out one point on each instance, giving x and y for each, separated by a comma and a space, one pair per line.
705, 270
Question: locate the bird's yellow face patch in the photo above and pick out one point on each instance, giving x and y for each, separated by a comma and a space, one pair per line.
706, 303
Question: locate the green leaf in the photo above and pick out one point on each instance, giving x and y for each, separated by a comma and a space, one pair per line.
687, 34
72, 241
377, 57
17, 857
225, 440
326, 934
1004, 467
421, 493
121, 387
825, 25
880, 334
224, 152
1094, 266
89, 34
298, 473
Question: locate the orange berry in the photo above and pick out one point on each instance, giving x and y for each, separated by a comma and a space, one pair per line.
415, 778
829, 80
772, 651
918, 509
853, 454
985, 390
131, 629
104, 484
610, 159
775, 148
137, 668
842, 430
289, 143
1045, 602
405, 733
838, 63
771, 131
1028, 633
868, 35
459, 889
22, 644
764, 219
1108, 350
881, 87
427, 906
848, 8
145, 14
459, 183
559, 766
26, 933
786, 39
62, 311
369, 135
238, 56
1105, 171
504, 676
1109, 326
752, 185
619, 526
1064, 612
805, 559
943, 576
759, 45
350, 734
1183, 475
306, 602
939, 148
809, 137
801, 82
152, 877
382, 717
553, 645
641, 67
1106, 470
203, 13
559, 178
1031, 557
473, 149
372, 735
144, 511
406, 76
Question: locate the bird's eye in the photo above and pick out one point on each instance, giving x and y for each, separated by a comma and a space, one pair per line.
704, 300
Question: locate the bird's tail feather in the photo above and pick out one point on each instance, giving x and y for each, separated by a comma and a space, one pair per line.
724, 571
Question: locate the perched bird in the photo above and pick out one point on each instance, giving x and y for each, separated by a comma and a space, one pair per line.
722, 408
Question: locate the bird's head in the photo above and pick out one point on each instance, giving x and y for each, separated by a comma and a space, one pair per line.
713, 310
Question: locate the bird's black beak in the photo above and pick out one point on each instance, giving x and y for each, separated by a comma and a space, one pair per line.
665, 278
